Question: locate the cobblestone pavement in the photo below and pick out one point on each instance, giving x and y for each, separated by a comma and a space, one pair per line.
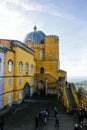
22, 116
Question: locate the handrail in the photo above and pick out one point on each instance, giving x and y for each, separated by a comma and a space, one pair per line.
71, 99
47, 74
68, 97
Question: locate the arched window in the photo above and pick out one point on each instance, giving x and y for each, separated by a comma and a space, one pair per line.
9, 83
41, 70
20, 81
10, 64
20, 66
32, 69
9, 98
41, 53
27, 67
0, 63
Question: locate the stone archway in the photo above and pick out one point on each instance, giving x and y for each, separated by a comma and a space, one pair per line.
42, 70
41, 87
27, 90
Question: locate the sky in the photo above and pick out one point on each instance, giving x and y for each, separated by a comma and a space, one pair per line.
64, 18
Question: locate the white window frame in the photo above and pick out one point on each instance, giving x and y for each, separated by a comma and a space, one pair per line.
41, 53
10, 65
32, 69
9, 98
20, 81
0, 63
32, 80
20, 66
9, 83
27, 67
20, 94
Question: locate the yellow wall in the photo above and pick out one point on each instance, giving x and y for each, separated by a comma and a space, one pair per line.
66, 101
5, 43
8, 75
49, 66
17, 55
50, 61
75, 95
37, 48
16, 96
9, 56
83, 102
25, 57
21, 55
6, 98
62, 74
51, 48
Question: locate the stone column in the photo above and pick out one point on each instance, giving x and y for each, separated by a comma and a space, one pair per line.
46, 86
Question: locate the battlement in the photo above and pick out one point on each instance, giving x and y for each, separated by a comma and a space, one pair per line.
36, 45
54, 36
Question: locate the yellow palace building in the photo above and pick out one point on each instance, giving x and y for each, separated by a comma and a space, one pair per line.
17, 67
29, 67
48, 71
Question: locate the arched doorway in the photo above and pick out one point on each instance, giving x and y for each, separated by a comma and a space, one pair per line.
41, 70
26, 91
41, 87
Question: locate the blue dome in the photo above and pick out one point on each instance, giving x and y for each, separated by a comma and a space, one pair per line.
35, 37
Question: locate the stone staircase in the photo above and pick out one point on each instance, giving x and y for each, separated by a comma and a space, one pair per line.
71, 99
44, 76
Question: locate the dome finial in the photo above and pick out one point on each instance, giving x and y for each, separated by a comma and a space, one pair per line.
35, 28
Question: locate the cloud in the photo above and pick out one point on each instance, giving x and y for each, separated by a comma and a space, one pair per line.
14, 24
75, 64
18, 17
29, 6
48, 8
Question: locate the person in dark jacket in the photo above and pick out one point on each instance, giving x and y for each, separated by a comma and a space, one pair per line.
77, 127
55, 111
36, 121
2, 124
47, 113
57, 121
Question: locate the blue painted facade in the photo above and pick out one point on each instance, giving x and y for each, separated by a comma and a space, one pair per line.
2, 56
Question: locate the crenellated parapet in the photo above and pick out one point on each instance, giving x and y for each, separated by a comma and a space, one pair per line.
34, 45
52, 36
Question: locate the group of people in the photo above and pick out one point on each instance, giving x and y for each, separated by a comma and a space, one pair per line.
80, 119
41, 118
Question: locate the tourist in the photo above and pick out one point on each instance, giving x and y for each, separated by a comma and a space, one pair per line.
2, 124
41, 118
47, 113
45, 117
76, 114
57, 121
77, 127
55, 111
36, 122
